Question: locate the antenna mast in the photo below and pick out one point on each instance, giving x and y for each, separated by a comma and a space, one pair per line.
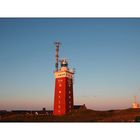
135, 99
57, 45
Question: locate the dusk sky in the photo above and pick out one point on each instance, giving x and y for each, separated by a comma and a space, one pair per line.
104, 52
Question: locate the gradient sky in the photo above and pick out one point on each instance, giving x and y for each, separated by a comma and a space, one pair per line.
104, 52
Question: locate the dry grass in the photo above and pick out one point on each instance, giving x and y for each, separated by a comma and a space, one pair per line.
83, 115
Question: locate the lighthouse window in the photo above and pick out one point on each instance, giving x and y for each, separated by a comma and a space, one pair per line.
59, 101
59, 111
59, 97
59, 106
69, 92
69, 97
69, 85
59, 91
60, 80
60, 85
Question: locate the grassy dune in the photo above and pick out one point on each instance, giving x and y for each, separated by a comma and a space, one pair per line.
82, 115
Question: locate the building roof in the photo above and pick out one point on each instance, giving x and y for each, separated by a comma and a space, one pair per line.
79, 106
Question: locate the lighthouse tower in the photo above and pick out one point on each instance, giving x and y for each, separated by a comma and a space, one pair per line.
63, 96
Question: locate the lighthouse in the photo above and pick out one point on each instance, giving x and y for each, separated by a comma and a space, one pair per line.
63, 94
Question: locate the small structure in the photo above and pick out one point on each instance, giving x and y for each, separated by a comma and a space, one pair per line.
135, 105
36, 113
77, 107
44, 109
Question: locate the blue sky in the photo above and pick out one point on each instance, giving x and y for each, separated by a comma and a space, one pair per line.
104, 52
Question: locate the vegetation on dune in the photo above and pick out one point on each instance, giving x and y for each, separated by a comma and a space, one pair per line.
81, 115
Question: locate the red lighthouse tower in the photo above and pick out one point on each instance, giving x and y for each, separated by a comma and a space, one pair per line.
63, 96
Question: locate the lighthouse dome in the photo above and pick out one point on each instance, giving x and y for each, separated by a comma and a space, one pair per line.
64, 65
